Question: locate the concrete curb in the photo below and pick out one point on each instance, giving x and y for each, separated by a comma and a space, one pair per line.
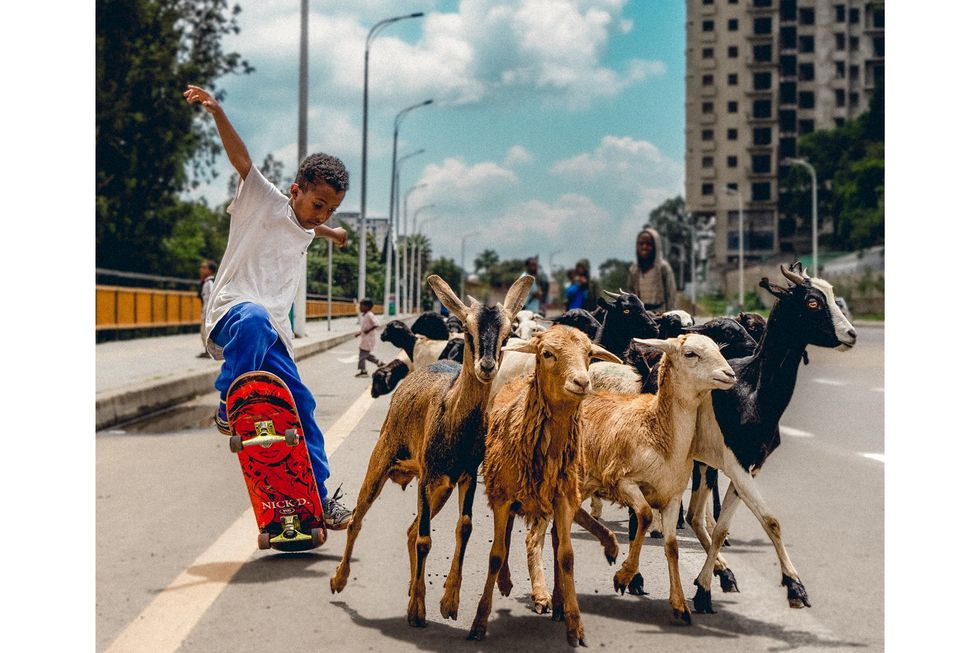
116, 406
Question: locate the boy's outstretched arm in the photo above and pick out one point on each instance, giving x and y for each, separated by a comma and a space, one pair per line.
337, 234
234, 146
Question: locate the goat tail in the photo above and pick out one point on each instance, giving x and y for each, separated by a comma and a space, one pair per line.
403, 471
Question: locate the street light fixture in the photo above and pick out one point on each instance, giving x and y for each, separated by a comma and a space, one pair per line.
400, 271
462, 262
418, 278
813, 215
403, 220
741, 248
362, 249
391, 206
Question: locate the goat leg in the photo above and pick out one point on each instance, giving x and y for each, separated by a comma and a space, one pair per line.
504, 583
605, 536
433, 495
374, 480
565, 563
501, 517
535, 544
629, 491
449, 605
677, 601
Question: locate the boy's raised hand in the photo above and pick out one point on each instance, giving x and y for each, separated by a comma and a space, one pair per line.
340, 236
197, 94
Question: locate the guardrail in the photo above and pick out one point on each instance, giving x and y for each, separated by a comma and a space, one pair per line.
120, 307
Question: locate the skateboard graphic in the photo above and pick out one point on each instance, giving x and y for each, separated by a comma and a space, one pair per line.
267, 436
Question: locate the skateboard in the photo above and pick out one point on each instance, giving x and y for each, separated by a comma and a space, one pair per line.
267, 436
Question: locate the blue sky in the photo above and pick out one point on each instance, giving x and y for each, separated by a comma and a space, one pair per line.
557, 124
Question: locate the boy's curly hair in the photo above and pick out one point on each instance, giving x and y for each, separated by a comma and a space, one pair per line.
320, 168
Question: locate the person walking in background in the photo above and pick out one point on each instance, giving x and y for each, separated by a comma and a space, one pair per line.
651, 277
369, 337
247, 321
206, 276
537, 299
582, 292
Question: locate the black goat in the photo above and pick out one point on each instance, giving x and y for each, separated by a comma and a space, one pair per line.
580, 319
431, 325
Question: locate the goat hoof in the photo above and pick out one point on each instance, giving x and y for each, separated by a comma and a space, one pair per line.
612, 552
635, 586
575, 640
657, 535
727, 578
416, 614
337, 585
504, 585
702, 600
726, 542
542, 607
682, 617
477, 633
795, 593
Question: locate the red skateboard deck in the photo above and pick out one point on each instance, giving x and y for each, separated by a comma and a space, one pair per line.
267, 436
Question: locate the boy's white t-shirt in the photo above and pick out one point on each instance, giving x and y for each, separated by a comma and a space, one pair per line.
265, 256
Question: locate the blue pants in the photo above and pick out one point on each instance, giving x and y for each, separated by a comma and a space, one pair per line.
250, 343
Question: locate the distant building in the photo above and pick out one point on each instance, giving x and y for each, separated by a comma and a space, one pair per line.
376, 226
760, 74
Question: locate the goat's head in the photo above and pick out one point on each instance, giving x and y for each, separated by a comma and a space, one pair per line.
386, 377
626, 318
485, 328
821, 321
731, 337
526, 324
697, 365
754, 323
431, 325
561, 366
453, 324
580, 319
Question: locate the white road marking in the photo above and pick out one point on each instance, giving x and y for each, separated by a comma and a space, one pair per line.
796, 433
877, 389
829, 381
167, 620
348, 359
880, 457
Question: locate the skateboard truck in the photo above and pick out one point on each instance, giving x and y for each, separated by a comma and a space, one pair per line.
265, 437
290, 531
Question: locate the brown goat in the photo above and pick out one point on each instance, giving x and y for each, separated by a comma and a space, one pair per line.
637, 451
531, 463
435, 431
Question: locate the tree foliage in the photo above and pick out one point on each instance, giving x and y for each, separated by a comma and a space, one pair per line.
149, 146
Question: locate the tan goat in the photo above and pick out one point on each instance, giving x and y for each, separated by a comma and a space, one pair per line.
532, 459
636, 451
435, 431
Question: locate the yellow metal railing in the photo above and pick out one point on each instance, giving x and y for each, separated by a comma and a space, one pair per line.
119, 307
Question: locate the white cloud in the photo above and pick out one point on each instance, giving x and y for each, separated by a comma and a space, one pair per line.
623, 162
518, 155
455, 186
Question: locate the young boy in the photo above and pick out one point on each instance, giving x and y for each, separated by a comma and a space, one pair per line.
247, 322
369, 337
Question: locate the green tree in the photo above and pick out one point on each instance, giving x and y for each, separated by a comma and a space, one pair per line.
449, 271
483, 265
670, 220
149, 146
613, 274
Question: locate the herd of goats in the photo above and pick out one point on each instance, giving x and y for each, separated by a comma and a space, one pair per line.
621, 405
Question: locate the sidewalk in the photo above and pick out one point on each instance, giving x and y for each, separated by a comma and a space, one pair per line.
137, 377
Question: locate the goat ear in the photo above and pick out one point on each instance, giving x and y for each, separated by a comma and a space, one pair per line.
517, 295
474, 302
777, 291
604, 355
447, 296
661, 345
521, 346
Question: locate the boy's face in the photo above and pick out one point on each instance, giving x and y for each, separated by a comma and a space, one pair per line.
644, 246
364, 307
315, 205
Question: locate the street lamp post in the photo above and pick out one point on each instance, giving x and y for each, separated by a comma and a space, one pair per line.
813, 215
413, 261
391, 206
401, 262
405, 231
362, 249
418, 278
462, 262
741, 248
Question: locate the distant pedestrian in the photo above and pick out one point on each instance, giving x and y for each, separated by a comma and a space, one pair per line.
369, 337
582, 292
538, 297
651, 277
206, 278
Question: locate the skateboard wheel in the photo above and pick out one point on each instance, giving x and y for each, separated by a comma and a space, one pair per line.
235, 443
319, 536
292, 437
264, 541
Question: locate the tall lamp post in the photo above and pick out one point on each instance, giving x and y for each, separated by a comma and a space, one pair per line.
462, 262
401, 264
362, 249
418, 277
406, 233
813, 215
391, 205
741, 248
413, 289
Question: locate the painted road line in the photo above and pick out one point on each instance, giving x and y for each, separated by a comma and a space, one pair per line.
167, 620
877, 389
796, 433
880, 457
348, 359
829, 381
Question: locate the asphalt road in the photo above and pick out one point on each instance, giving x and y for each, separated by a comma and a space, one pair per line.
177, 567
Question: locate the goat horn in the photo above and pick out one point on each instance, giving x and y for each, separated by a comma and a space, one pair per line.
610, 294
792, 276
473, 300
